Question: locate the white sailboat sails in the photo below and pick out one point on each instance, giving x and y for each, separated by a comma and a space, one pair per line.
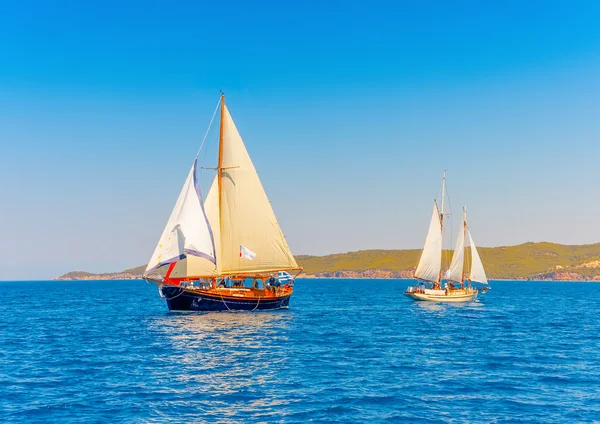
430, 264
431, 258
477, 273
455, 271
429, 268
241, 217
187, 231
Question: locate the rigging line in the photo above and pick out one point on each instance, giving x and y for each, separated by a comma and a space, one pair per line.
171, 298
209, 127
449, 202
257, 303
208, 136
225, 303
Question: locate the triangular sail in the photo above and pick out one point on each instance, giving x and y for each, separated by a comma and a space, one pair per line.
431, 259
477, 272
192, 266
187, 231
247, 218
455, 272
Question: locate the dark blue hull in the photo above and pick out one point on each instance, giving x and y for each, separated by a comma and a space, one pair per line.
180, 300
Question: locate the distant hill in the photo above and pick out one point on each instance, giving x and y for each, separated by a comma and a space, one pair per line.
128, 274
543, 261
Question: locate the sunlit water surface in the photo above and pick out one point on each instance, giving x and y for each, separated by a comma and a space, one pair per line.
345, 351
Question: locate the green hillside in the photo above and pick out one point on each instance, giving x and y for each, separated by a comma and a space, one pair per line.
392, 260
529, 260
522, 261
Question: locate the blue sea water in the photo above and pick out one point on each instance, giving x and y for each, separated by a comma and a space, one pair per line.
345, 351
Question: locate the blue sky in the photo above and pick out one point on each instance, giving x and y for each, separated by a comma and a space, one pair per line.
350, 110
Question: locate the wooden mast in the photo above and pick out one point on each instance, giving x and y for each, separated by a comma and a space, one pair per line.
464, 230
468, 258
220, 164
443, 195
442, 225
437, 284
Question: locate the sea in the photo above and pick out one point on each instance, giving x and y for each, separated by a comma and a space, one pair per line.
346, 351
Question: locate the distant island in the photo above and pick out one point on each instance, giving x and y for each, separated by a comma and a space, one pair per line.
528, 261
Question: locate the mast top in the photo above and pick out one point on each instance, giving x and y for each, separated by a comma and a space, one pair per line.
442, 212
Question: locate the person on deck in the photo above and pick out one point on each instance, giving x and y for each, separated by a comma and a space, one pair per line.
272, 283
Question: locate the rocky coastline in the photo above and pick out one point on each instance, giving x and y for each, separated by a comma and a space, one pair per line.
343, 274
541, 261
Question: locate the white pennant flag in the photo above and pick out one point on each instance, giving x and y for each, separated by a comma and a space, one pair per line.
246, 253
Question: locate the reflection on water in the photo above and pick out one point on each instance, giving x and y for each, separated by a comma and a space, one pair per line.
235, 330
226, 353
443, 308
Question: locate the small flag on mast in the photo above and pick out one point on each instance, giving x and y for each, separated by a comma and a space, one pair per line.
246, 253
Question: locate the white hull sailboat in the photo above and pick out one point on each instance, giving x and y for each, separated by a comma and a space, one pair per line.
458, 285
443, 296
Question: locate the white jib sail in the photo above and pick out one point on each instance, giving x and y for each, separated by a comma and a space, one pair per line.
431, 258
477, 271
187, 232
455, 272
195, 266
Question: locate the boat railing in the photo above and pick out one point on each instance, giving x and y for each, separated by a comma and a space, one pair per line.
415, 289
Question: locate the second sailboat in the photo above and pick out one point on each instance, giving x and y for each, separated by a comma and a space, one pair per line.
458, 285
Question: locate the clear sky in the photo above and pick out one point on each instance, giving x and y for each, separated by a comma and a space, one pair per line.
350, 110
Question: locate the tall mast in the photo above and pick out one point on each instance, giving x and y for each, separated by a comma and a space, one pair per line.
443, 195
220, 164
442, 223
464, 229
468, 258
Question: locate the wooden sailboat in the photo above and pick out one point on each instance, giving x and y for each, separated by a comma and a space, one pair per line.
458, 285
228, 252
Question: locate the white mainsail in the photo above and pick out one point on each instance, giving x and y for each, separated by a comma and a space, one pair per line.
455, 272
477, 272
431, 258
187, 232
242, 216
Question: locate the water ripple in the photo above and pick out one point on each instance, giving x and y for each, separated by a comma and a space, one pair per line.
346, 351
